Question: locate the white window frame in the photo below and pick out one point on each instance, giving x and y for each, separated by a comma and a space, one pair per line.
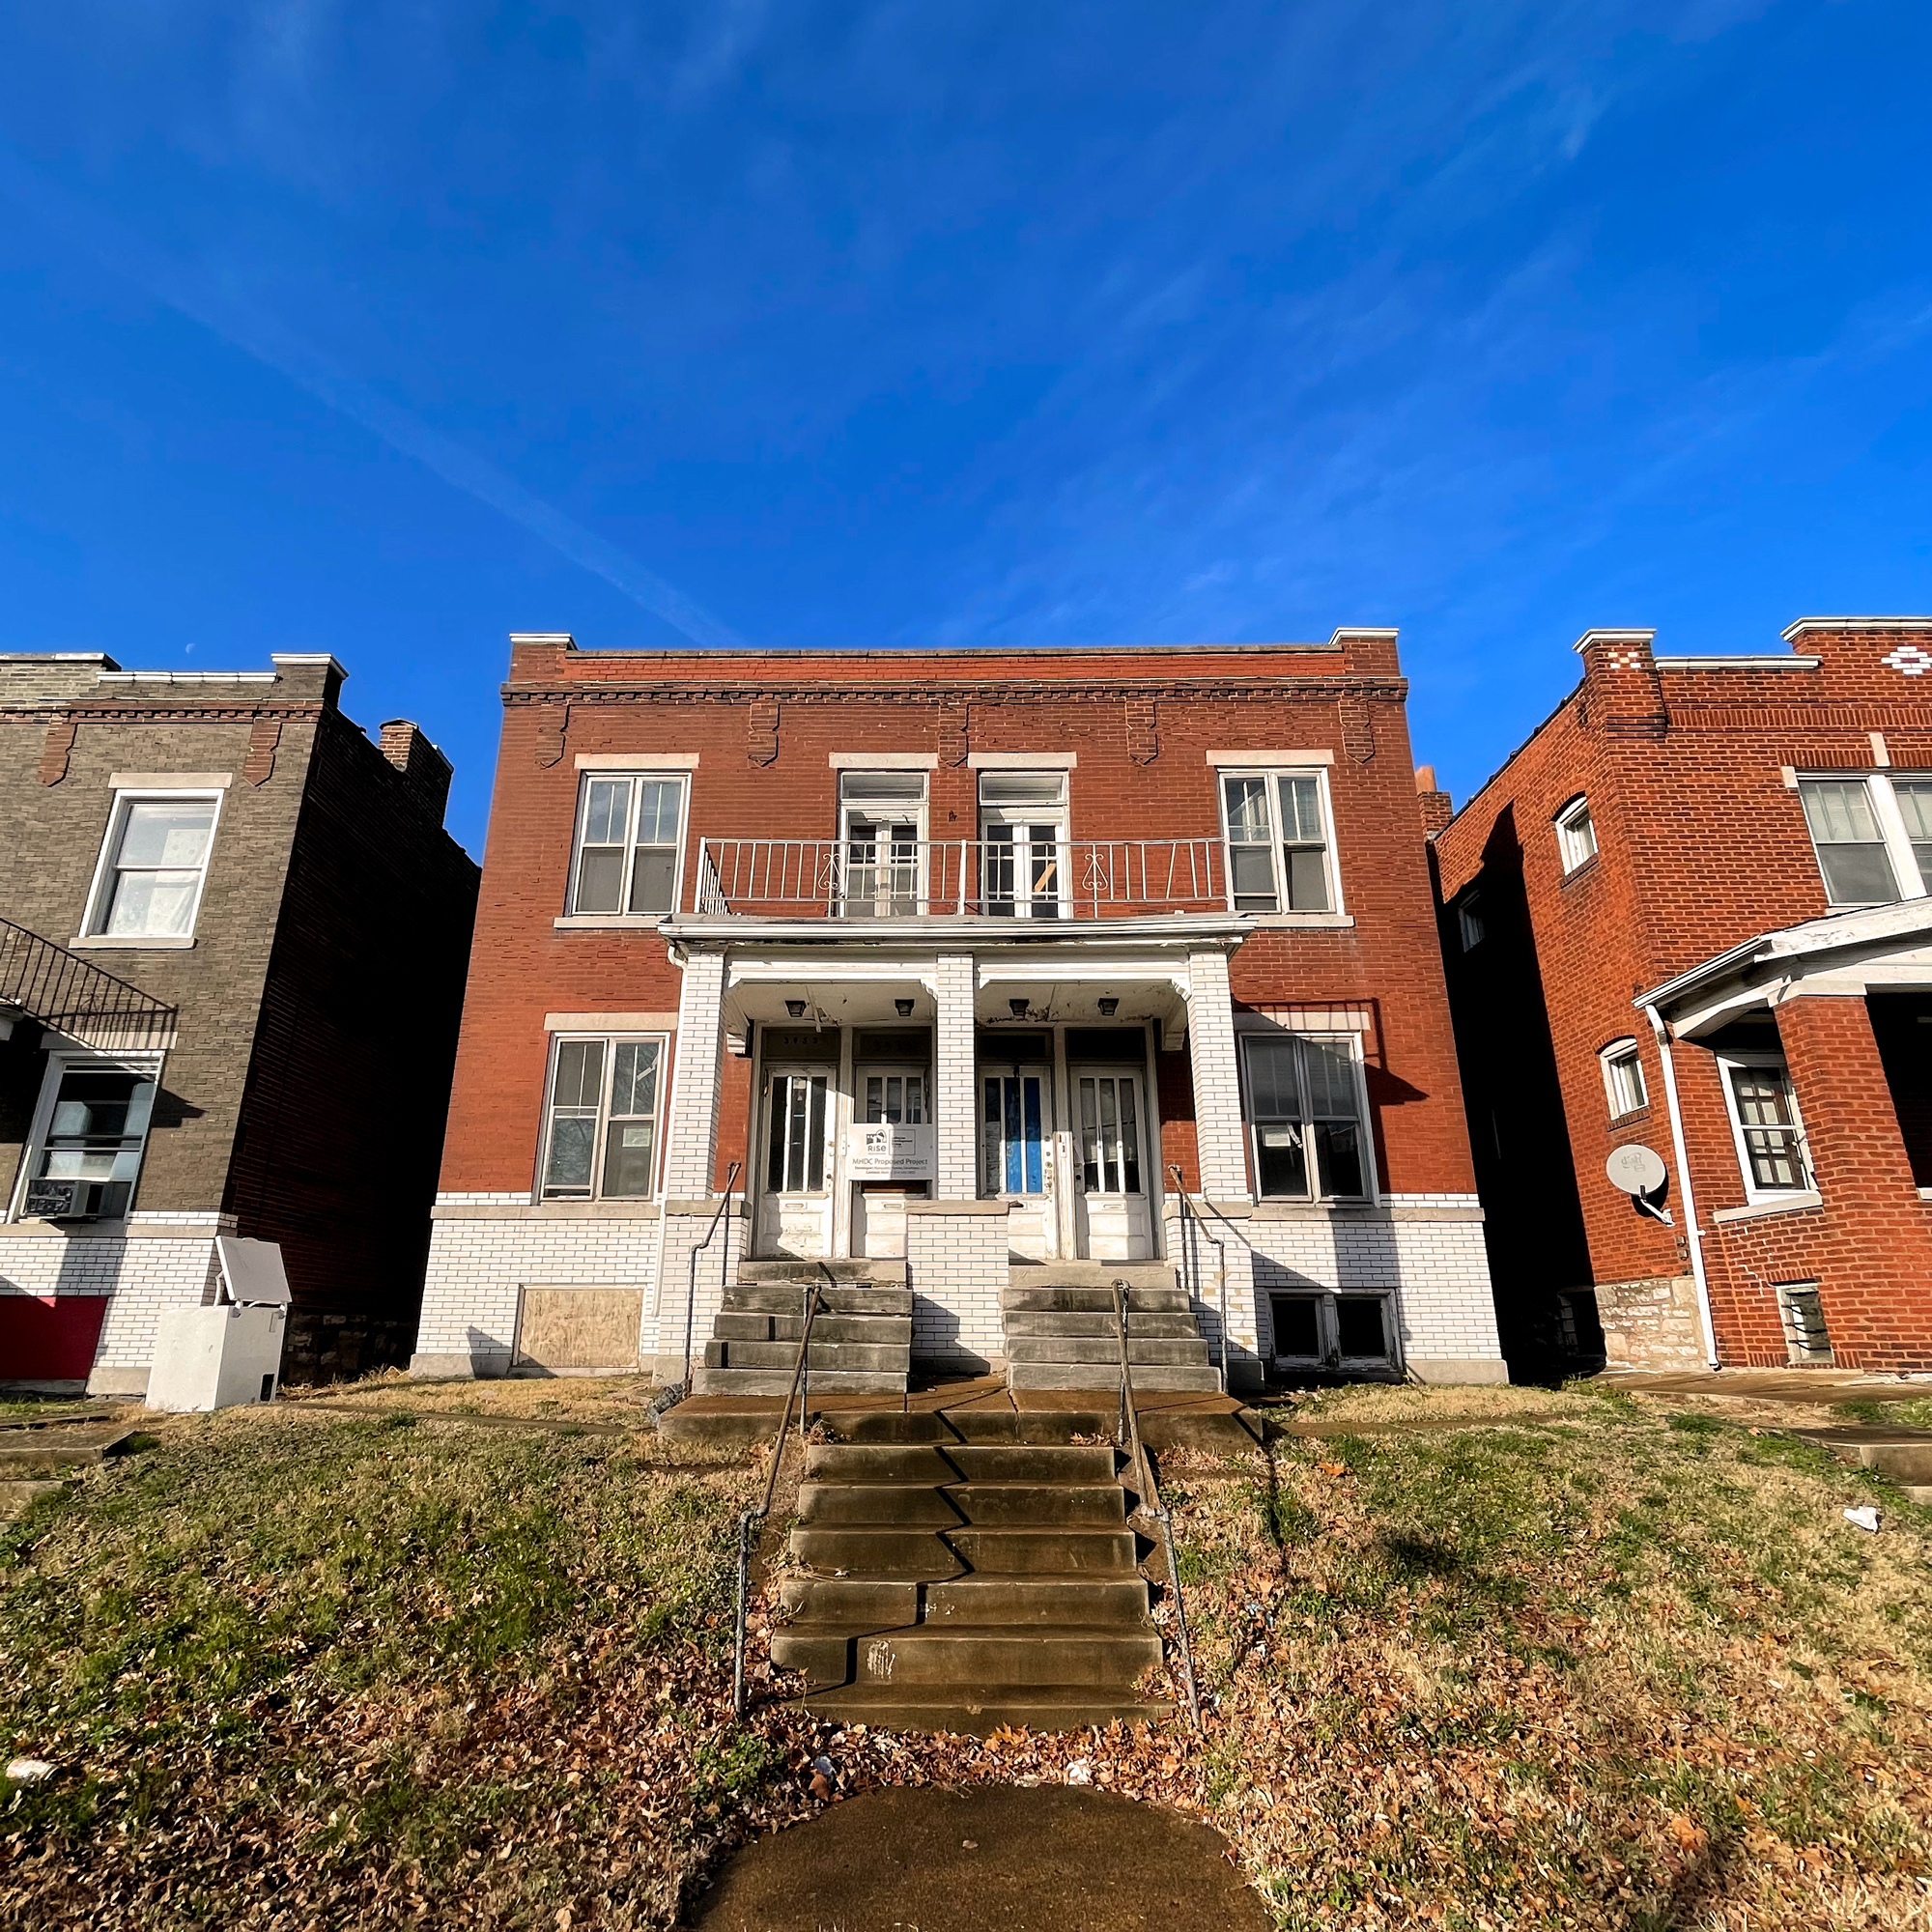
1018, 817
1576, 830
1351, 1045
94, 924
1331, 862
60, 1061
1753, 1193
1622, 1053
646, 774
610, 1042
868, 814
1913, 869
1907, 881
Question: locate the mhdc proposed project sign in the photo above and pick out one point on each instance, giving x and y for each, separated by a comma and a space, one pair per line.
879, 1151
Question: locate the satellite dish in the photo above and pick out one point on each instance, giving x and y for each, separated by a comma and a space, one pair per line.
1635, 1169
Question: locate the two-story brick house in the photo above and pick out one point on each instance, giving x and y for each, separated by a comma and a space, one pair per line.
233, 935
1691, 913
948, 962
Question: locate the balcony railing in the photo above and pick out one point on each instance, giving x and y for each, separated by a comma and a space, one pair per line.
73, 996
830, 878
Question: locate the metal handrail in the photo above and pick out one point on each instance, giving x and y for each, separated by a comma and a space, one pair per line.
691, 1285
835, 878
764, 1509
73, 996
1189, 1211
1151, 1501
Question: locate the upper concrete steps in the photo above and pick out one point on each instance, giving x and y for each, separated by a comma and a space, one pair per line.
1059, 1328
861, 1337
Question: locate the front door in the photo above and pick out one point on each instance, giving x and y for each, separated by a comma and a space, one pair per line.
1017, 1155
794, 1183
1113, 1217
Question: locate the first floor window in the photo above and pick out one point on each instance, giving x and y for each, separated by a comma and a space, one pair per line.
152, 866
1764, 1115
627, 842
88, 1153
1622, 1078
1277, 843
1305, 1118
602, 1140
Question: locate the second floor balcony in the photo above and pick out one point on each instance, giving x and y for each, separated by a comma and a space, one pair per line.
1018, 877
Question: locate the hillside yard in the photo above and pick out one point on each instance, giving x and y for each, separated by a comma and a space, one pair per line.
1624, 1665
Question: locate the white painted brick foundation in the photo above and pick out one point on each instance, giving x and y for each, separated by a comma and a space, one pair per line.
957, 1263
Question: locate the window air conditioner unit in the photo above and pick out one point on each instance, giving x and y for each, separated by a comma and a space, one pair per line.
63, 1199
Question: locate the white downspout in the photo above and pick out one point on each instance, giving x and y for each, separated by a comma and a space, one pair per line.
1684, 1185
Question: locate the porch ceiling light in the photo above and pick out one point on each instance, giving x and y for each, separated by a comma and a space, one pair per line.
1017, 1008
796, 1009
1109, 1008
903, 1007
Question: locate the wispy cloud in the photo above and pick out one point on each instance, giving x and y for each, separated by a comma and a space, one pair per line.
246, 325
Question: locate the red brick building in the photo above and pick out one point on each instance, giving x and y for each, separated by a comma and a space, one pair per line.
942, 962
1692, 914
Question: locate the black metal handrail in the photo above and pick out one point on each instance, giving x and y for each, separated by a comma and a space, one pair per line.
1188, 1213
691, 1282
764, 1509
73, 996
1137, 1455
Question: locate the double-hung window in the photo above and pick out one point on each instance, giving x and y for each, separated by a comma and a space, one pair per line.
1280, 858
1873, 833
1023, 855
1914, 811
89, 1133
1622, 1078
153, 864
1305, 1117
1764, 1118
601, 1138
881, 832
1576, 834
627, 832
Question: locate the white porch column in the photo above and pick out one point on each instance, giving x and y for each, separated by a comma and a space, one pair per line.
693, 1123
1220, 1144
956, 981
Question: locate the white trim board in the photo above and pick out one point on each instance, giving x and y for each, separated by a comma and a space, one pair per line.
1268, 760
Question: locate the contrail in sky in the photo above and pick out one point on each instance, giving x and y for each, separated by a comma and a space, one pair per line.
260, 335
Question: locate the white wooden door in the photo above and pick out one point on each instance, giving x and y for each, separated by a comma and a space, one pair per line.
1016, 1155
795, 1178
1109, 1126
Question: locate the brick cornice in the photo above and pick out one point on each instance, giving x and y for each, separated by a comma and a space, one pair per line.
984, 690
160, 714
1859, 718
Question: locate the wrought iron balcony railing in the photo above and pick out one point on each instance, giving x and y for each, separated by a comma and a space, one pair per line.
73, 996
890, 878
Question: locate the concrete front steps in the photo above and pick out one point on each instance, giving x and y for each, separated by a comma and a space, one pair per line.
861, 1342
1059, 1323
1905, 1455
956, 1578
37, 1457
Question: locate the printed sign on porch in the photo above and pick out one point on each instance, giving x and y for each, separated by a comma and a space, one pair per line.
879, 1151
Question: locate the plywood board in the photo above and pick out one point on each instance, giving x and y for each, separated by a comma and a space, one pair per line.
577, 1328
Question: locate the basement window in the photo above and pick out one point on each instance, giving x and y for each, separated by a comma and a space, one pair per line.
1806, 1344
1341, 1333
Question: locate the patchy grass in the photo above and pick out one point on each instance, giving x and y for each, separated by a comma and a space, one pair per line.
1913, 1414
1628, 1668
618, 1399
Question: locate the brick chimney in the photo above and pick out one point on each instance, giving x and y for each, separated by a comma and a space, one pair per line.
1437, 810
425, 768
1623, 694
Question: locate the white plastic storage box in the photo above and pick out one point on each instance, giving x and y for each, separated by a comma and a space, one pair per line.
216, 1358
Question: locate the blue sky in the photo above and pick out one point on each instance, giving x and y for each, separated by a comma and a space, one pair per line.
388, 327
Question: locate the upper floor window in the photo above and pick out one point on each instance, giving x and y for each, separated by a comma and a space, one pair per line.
89, 1132
1305, 1117
152, 865
1279, 857
1850, 841
1576, 834
1764, 1118
881, 831
1622, 1078
602, 1121
1914, 811
628, 831
1023, 844
1469, 927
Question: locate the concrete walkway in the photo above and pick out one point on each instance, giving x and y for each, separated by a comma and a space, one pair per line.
996, 1857
1792, 1386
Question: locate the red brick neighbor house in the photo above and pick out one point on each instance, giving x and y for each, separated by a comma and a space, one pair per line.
937, 968
233, 934
1692, 914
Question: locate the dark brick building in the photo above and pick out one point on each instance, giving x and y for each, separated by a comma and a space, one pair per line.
1068, 918
1692, 914
231, 966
